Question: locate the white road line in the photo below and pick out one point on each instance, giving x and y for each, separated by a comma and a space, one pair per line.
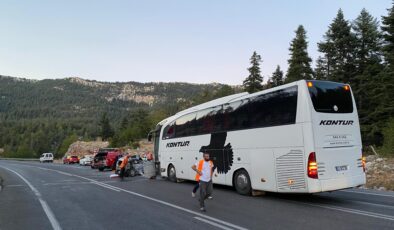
373, 204
212, 223
51, 217
155, 200
106, 186
368, 193
15, 185
354, 211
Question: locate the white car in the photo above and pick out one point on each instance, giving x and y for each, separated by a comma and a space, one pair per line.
46, 157
87, 160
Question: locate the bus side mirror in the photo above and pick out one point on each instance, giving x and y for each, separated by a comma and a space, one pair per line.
150, 137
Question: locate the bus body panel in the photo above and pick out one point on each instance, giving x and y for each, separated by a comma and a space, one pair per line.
338, 148
250, 151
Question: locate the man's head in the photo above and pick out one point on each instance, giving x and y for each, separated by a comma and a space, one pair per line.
206, 156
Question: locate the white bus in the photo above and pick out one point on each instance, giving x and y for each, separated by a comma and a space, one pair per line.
302, 137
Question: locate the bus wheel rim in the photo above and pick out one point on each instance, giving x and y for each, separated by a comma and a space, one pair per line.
172, 171
242, 181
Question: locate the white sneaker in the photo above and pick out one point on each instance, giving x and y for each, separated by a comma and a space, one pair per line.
193, 194
210, 197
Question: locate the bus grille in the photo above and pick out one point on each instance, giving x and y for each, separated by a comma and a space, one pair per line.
290, 171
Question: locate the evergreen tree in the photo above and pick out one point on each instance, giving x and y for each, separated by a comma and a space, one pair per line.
385, 109
338, 50
277, 77
367, 81
253, 82
106, 131
321, 72
388, 35
299, 62
124, 123
368, 41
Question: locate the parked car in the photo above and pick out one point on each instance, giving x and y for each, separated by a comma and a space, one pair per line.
134, 166
86, 160
65, 159
73, 160
100, 159
46, 157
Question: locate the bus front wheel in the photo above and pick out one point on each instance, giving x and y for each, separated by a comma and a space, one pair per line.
171, 173
242, 182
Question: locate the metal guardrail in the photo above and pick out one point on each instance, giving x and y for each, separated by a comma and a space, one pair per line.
19, 159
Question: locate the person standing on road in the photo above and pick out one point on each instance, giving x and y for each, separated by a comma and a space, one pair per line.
123, 166
204, 171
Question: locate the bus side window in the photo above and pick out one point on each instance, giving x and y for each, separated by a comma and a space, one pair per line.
185, 125
276, 108
209, 120
169, 131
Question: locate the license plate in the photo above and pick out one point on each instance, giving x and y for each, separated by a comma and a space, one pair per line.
341, 168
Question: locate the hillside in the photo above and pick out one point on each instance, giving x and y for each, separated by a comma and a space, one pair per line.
70, 97
39, 115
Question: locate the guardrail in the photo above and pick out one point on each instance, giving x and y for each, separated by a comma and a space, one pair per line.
19, 159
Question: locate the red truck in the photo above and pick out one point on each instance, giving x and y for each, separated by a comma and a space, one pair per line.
112, 158
106, 158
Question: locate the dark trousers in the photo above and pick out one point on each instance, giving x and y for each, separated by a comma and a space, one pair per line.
196, 187
205, 191
121, 173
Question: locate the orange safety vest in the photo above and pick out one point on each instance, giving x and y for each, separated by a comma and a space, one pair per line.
124, 162
199, 168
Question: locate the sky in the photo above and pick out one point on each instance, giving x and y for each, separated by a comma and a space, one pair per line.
186, 41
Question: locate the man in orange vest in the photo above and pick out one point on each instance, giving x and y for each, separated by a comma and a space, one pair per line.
123, 166
204, 171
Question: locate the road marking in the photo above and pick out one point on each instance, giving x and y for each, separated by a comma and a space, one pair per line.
106, 186
368, 193
15, 185
373, 204
63, 183
354, 211
52, 219
230, 225
212, 223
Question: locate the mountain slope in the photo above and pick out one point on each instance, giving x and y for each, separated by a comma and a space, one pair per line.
41, 116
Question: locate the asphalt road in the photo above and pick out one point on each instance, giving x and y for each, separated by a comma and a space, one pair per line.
53, 196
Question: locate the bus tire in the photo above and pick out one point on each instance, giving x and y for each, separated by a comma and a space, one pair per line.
242, 182
171, 173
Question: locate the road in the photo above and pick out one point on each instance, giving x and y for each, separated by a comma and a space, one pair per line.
55, 196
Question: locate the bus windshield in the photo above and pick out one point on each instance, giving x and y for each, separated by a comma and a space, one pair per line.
330, 97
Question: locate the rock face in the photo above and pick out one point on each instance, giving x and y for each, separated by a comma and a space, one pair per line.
82, 148
145, 147
380, 173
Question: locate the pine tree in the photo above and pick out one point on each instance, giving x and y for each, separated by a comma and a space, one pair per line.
321, 72
388, 35
368, 64
277, 77
385, 109
299, 62
106, 129
338, 50
124, 123
253, 82
368, 41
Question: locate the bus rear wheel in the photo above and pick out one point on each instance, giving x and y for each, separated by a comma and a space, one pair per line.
171, 173
242, 182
